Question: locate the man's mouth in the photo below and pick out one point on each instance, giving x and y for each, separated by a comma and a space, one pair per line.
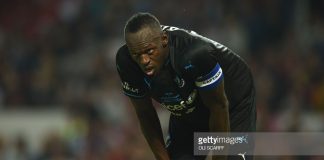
149, 71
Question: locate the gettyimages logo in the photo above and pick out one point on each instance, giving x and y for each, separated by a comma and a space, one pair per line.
242, 144
222, 144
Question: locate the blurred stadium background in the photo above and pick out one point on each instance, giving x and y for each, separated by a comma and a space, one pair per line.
60, 96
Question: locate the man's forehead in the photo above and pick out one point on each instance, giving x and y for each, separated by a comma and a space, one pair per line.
137, 48
141, 39
145, 34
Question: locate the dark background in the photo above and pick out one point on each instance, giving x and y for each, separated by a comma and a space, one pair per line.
58, 56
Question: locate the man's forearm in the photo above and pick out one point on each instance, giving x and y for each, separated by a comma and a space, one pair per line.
152, 131
219, 122
219, 119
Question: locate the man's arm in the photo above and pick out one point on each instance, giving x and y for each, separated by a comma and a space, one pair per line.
150, 126
215, 99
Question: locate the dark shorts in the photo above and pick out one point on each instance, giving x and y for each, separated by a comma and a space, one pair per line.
180, 138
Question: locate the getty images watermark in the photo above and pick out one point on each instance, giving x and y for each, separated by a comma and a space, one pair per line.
222, 140
259, 143
223, 143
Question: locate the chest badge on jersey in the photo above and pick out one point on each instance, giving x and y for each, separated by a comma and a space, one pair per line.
179, 81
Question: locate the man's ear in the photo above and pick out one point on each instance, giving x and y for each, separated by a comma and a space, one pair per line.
164, 39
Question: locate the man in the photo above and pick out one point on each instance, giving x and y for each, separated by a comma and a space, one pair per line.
205, 86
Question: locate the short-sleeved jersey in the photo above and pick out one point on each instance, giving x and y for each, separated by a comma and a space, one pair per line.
194, 63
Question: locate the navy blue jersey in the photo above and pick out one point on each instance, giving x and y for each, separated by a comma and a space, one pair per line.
194, 63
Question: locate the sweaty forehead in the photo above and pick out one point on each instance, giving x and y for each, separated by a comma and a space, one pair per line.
141, 39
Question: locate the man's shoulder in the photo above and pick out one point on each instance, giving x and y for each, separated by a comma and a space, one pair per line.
124, 62
177, 34
185, 48
196, 52
122, 54
187, 43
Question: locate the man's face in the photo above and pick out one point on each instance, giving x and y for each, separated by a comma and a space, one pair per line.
148, 48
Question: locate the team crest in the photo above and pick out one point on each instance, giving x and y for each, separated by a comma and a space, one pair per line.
180, 82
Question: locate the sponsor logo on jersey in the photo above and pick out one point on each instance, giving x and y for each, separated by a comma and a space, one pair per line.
182, 105
177, 107
127, 87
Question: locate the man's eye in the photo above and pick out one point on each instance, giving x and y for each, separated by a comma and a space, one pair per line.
150, 51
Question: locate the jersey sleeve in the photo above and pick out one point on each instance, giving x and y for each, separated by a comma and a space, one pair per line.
202, 67
130, 75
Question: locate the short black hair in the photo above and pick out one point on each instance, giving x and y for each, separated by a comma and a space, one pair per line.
139, 21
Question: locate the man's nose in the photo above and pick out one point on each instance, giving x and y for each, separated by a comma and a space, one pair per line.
145, 59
